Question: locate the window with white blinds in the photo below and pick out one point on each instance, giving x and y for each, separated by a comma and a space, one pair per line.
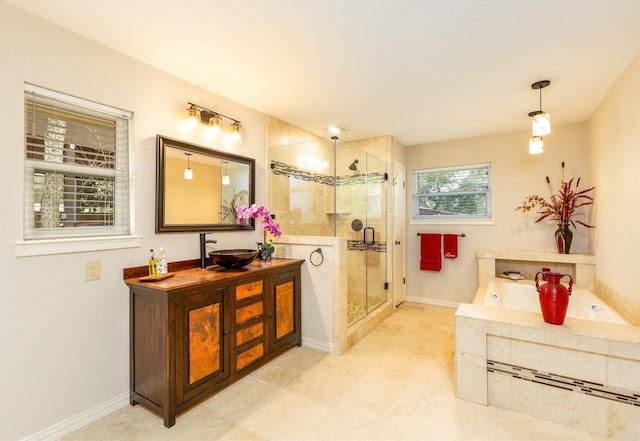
76, 167
462, 192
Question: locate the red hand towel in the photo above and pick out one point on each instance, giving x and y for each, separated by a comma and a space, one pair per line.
450, 245
430, 252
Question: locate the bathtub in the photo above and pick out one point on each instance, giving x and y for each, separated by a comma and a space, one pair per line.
522, 296
583, 374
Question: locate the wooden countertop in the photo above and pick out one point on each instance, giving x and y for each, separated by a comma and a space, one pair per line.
194, 276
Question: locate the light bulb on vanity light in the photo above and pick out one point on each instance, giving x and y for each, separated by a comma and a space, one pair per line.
214, 127
236, 136
192, 118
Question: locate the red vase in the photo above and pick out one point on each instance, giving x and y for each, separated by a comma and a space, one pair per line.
554, 297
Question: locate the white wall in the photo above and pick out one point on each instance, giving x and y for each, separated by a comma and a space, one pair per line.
514, 174
614, 158
324, 293
64, 341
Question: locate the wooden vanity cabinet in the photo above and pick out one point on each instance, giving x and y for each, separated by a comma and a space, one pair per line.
201, 330
249, 323
202, 338
284, 311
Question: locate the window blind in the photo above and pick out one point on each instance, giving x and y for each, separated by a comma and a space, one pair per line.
76, 167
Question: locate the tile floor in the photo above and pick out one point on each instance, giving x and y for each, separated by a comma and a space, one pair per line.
395, 384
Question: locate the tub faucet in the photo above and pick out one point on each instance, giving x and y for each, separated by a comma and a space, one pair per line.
203, 249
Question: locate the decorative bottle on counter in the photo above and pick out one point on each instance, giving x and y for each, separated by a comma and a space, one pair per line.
163, 266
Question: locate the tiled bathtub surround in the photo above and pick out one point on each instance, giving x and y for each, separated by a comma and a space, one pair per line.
565, 383
492, 262
596, 353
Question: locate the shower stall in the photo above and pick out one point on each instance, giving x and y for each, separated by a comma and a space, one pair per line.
332, 188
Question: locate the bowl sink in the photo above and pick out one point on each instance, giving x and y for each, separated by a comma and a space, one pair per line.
232, 259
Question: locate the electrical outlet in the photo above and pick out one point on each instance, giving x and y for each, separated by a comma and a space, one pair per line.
92, 270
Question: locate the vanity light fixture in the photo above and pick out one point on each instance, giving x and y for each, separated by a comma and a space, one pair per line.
211, 121
540, 121
188, 173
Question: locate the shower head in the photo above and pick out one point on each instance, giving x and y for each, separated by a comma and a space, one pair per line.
354, 165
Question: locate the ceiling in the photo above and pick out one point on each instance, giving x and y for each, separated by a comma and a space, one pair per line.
421, 71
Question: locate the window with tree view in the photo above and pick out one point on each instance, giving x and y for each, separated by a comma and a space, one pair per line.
76, 167
462, 192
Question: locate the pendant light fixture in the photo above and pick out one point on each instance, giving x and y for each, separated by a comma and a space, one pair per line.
540, 121
188, 173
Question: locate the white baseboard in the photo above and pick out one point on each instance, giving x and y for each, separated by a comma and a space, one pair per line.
81, 419
436, 302
317, 344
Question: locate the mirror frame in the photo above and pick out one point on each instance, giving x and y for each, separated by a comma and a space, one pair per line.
161, 226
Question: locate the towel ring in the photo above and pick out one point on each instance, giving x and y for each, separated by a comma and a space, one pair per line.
316, 251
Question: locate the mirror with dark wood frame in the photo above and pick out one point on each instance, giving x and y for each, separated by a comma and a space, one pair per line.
198, 189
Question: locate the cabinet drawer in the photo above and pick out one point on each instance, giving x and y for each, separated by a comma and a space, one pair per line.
249, 356
249, 289
248, 312
249, 333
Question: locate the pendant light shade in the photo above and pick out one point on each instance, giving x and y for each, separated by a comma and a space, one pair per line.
536, 145
225, 177
541, 124
188, 173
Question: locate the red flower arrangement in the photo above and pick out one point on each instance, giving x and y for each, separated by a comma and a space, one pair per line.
561, 207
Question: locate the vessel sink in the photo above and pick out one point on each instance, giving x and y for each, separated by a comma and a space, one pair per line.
232, 259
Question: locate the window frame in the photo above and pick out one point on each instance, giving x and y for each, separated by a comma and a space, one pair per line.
80, 239
453, 219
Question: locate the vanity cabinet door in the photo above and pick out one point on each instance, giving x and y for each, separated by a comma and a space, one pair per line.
284, 310
248, 323
202, 338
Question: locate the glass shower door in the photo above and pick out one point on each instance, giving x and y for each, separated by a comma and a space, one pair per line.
375, 236
361, 217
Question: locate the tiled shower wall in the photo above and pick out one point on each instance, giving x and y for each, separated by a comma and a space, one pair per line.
301, 186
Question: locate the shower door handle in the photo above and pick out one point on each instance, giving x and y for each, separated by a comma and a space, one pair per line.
373, 236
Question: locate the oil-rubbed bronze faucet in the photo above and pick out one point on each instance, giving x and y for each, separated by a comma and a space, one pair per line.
203, 249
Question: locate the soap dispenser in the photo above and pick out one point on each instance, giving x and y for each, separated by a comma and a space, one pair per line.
153, 268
